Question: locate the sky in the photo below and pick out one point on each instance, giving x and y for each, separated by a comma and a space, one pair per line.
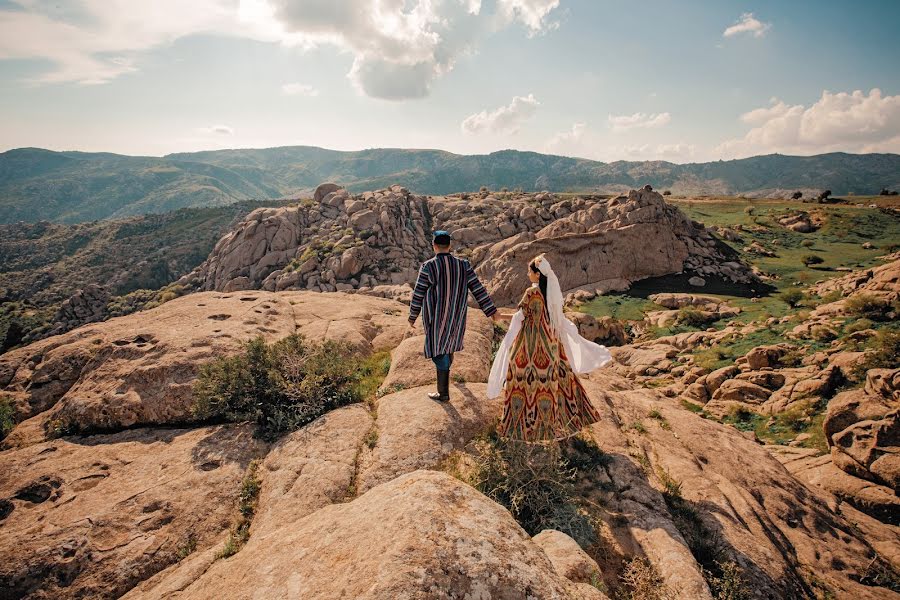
676, 80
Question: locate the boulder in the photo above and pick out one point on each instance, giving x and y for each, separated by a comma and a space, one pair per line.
398, 540
567, 557
323, 190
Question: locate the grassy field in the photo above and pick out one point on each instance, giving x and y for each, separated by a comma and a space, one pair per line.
839, 243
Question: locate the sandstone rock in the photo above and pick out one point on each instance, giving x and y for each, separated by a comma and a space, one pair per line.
323, 190
139, 369
395, 541
736, 487
94, 516
567, 557
606, 330
415, 432
410, 368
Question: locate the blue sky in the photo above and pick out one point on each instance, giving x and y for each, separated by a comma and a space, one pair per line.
604, 79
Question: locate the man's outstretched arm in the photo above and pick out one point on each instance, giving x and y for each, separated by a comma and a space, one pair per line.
423, 282
481, 296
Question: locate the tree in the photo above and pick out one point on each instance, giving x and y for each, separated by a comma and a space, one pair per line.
884, 192
823, 197
796, 195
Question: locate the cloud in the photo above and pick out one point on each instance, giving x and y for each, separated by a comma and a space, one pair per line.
747, 24
218, 129
639, 120
533, 13
850, 122
299, 89
399, 47
677, 151
567, 141
505, 120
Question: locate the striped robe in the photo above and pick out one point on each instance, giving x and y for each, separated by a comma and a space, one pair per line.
441, 293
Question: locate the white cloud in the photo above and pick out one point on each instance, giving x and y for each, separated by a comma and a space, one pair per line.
567, 141
678, 151
850, 122
506, 119
639, 120
299, 89
747, 24
399, 47
218, 129
533, 13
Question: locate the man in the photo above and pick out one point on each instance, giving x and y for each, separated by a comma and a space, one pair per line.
441, 292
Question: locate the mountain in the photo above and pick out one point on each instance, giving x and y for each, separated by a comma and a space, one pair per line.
71, 187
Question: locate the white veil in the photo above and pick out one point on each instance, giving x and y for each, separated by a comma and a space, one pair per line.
584, 355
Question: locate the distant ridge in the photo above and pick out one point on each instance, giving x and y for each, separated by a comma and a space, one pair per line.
71, 187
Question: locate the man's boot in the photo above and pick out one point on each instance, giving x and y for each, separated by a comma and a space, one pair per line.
443, 387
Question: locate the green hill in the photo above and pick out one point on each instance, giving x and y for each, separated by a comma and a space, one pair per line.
71, 187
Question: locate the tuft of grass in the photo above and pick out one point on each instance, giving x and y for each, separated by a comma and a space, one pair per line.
7, 416
186, 547
247, 500
880, 573
371, 437
582, 454
639, 427
655, 414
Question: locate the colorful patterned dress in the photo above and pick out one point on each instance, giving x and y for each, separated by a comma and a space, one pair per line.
543, 399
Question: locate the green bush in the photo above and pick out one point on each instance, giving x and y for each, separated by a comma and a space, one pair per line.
812, 259
792, 297
691, 317
281, 386
884, 353
859, 325
870, 306
7, 416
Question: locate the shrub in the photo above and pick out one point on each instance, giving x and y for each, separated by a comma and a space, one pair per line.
812, 259
859, 325
535, 483
796, 195
641, 581
807, 243
667, 193
281, 386
7, 416
691, 317
792, 297
869, 306
883, 353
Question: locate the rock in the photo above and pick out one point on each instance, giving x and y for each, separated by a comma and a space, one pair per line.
395, 541
764, 356
800, 222
415, 432
323, 190
364, 219
696, 281
410, 368
735, 486
606, 330
84, 306
139, 369
122, 507
567, 557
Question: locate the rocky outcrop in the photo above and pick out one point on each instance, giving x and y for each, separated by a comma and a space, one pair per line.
344, 242
91, 517
862, 428
138, 370
419, 536
701, 309
84, 306
801, 222
353, 504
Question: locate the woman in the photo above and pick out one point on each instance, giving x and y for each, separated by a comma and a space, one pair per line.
537, 363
